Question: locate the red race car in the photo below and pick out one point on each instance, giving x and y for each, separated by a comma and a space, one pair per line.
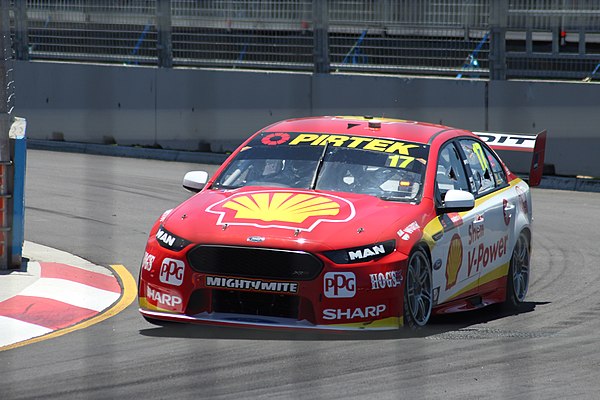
345, 223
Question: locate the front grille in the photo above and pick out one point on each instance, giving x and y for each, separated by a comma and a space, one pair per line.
255, 262
257, 304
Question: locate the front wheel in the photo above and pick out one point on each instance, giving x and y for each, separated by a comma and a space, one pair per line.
517, 281
417, 291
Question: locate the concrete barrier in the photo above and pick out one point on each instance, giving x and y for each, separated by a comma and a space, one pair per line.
198, 109
568, 110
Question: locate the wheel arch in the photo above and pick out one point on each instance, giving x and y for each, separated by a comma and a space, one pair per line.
425, 247
526, 230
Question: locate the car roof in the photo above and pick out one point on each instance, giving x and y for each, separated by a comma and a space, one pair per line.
411, 131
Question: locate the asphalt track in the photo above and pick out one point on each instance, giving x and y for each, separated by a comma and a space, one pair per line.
101, 209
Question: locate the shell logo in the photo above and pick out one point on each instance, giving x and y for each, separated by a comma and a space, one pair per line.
282, 209
454, 262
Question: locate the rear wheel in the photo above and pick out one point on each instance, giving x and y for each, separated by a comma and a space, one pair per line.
417, 291
517, 281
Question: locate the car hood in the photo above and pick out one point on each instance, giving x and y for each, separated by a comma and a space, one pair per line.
289, 218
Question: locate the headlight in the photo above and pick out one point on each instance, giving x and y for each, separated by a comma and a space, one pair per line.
170, 241
361, 254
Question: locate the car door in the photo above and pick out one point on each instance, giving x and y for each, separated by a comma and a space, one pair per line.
488, 239
452, 277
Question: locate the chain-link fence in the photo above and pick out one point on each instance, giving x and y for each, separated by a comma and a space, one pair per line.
475, 38
409, 36
553, 38
243, 34
85, 30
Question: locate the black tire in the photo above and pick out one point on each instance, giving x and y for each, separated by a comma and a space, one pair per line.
517, 280
418, 299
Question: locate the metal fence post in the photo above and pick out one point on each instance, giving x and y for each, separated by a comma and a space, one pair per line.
163, 25
6, 101
321, 36
6, 83
21, 42
498, 24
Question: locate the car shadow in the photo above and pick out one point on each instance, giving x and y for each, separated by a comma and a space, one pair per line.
440, 324
437, 325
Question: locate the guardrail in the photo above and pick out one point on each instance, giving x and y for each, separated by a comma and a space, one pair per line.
496, 39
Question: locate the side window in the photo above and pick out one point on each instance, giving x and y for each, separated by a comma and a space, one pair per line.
481, 166
497, 170
450, 171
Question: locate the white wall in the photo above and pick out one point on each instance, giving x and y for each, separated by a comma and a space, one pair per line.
197, 109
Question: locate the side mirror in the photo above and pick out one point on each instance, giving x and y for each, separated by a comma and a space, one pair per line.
194, 181
458, 201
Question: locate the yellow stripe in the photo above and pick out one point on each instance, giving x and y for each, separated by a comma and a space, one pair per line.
127, 297
488, 196
434, 226
145, 305
499, 272
391, 322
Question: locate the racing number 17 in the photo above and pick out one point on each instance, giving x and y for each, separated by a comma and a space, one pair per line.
393, 161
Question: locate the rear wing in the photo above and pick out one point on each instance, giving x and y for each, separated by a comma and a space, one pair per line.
535, 144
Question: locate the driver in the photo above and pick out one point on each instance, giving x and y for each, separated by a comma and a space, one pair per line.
298, 173
340, 176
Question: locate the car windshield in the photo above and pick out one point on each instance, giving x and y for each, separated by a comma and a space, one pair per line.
386, 168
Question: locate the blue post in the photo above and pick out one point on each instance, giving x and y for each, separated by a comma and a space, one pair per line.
242, 53
591, 76
17, 133
355, 50
472, 58
140, 41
